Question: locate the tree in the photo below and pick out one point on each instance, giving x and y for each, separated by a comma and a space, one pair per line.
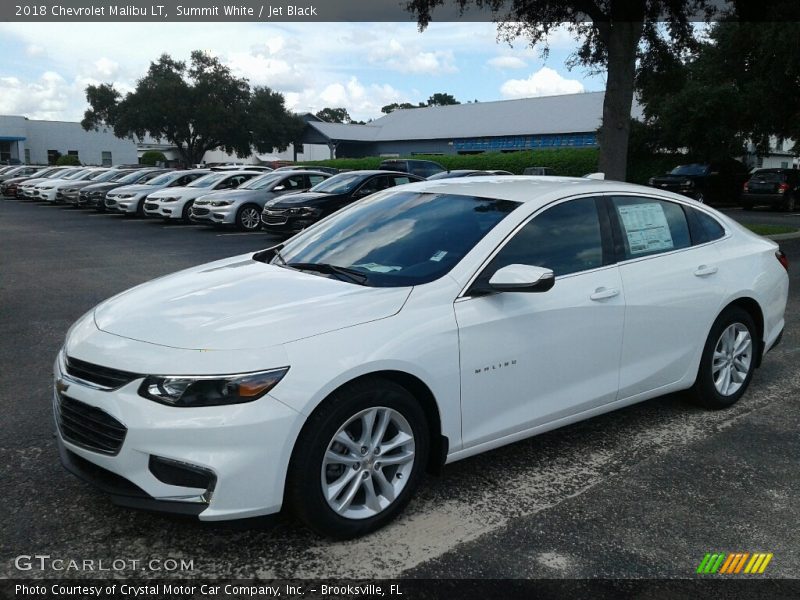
611, 33
152, 158
272, 126
197, 107
441, 99
394, 106
738, 86
334, 115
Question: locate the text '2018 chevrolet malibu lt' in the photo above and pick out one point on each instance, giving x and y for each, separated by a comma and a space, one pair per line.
419, 326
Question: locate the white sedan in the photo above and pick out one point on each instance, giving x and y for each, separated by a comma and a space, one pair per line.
420, 326
175, 202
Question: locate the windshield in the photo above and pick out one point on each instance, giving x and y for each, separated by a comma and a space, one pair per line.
694, 169
163, 179
121, 176
101, 175
399, 238
339, 184
208, 180
259, 183
77, 174
63, 173
43, 172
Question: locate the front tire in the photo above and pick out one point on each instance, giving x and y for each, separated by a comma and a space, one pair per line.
359, 459
248, 218
728, 360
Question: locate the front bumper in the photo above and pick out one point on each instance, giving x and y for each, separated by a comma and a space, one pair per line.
213, 215
281, 222
244, 448
121, 205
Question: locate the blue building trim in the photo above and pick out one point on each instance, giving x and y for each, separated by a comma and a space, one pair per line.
526, 142
11, 138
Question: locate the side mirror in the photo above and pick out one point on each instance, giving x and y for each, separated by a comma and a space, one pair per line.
522, 278
279, 188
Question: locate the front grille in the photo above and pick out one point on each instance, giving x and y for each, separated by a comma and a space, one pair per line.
273, 219
199, 212
151, 206
102, 376
88, 426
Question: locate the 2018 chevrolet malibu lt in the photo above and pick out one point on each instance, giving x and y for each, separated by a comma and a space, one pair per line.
175, 202
70, 194
129, 199
422, 325
295, 212
242, 207
49, 188
27, 189
10, 186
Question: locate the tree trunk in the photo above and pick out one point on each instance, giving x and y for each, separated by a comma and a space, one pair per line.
622, 42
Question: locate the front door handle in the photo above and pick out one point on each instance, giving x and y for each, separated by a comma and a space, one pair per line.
705, 271
602, 293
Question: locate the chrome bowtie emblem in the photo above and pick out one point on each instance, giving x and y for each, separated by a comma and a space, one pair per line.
61, 387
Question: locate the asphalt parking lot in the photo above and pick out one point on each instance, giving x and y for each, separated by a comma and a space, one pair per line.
643, 492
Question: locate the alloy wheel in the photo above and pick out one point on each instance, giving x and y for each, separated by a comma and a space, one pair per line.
250, 218
368, 463
732, 359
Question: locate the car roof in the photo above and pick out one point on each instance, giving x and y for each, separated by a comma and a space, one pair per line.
529, 188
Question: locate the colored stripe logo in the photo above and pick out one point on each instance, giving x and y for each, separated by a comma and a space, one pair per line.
734, 563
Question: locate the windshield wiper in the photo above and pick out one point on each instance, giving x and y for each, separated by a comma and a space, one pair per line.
351, 274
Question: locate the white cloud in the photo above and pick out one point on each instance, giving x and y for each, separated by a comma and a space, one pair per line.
45, 98
544, 82
507, 62
362, 102
409, 58
106, 68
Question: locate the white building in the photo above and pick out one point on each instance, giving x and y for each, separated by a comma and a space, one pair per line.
42, 142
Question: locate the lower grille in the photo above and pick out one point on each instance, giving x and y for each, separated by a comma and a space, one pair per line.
102, 376
199, 212
151, 206
274, 219
88, 427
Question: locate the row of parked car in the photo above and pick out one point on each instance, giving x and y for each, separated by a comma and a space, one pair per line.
285, 200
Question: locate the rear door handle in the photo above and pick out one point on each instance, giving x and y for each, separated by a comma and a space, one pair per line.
602, 293
705, 271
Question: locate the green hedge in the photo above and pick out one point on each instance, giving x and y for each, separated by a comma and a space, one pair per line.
68, 160
571, 162
152, 158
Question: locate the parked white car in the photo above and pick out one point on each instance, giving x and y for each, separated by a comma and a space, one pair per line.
175, 202
49, 188
419, 326
242, 207
129, 199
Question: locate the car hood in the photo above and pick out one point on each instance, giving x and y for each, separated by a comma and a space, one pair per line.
104, 186
669, 177
304, 199
76, 184
137, 188
235, 195
184, 193
54, 182
21, 179
239, 303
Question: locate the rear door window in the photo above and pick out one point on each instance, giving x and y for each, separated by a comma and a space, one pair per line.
650, 226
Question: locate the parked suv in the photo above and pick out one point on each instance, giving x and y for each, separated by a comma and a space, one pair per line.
421, 168
713, 182
778, 188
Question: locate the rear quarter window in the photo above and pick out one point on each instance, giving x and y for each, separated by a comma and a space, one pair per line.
704, 228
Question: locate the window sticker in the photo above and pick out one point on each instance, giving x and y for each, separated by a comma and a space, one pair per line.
438, 256
646, 227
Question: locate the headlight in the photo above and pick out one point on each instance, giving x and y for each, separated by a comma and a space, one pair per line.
125, 196
306, 211
687, 183
215, 390
68, 190
651, 181
164, 199
222, 203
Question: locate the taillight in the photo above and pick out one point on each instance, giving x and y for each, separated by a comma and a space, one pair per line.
746, 187
783, 259
783, 188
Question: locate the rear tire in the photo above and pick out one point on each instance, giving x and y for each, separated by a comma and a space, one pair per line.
728, 360
344, 489
789, 203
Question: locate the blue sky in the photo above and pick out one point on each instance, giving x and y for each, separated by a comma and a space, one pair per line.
361, 66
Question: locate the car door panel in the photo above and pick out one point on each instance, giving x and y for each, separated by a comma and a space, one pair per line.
531, 358
527, 359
